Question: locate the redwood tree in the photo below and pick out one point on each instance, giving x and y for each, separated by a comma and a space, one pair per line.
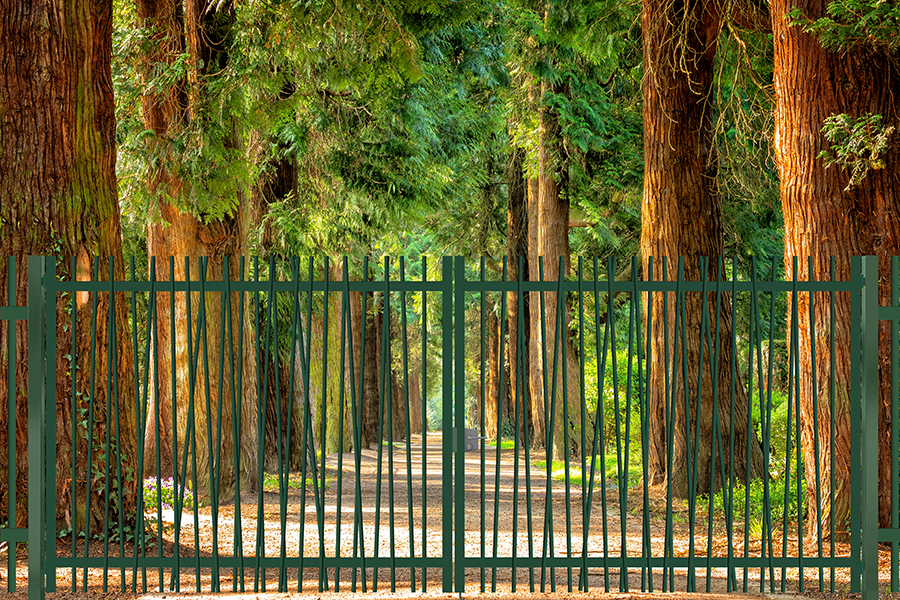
182, 230
551, 224
516, 247
58, 197
681, 215
824, 217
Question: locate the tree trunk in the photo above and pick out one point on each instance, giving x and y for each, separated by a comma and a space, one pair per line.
495, 407
184, 235
531, 412
560, 401
371, 398
355, 344
335, 378
682, 216
212, 393
415, 404
822, 220
59, 198
398, 393
516, 247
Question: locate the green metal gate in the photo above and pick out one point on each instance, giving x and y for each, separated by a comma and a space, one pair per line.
620, 531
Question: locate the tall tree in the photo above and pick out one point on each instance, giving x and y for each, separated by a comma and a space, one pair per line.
192, 222
516, 249
681, 216
848, 69
59, 198
556, 401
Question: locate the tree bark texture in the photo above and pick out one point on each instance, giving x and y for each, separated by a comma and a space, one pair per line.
556, 401
188, 400
821, 221
681, 216
371, 370
496, 408
516, 248
58, 198
526, 418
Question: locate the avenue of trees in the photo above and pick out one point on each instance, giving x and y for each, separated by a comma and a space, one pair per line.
531, 129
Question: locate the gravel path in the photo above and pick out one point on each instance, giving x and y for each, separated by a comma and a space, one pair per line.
504, 501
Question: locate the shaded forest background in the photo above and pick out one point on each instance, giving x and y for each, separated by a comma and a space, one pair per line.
135, 130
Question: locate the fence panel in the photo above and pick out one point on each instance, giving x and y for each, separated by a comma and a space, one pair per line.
314, 426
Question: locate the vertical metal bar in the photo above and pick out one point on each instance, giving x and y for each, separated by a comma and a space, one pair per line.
645, 411
424, 396
585, 515
895, 421
520, 399
320, 509
870, 428
815, 398
447, 425
237, 402
306, 442
731, 583
356, 410
793, 374
346, 342
549, 394
831, 401
193, 361
11, 427
211, 456
409, 486
261, 391
36, 403
110, 373
693, 474
623, 479
564, 331
598, 440
139, 537
90, 424
667, 415
856, 374
50, 521
387, 397
481, 403
716, 442
767, 436
459, 530
279, 436
176, 481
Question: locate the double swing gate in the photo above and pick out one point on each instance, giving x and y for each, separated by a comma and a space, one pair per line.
267, 426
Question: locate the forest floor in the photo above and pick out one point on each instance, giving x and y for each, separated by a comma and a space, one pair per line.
488, 529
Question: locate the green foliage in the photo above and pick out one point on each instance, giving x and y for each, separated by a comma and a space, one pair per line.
856, 144
757, 504
168, 494
873, 24
618, 382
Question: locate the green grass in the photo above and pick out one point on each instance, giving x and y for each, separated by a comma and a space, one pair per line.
558, 471
504, 444
270, 482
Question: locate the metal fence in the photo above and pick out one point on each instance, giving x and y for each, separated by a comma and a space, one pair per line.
225, 427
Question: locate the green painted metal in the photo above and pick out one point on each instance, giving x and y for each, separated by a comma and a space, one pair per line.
577, 518
870, 426
36, 448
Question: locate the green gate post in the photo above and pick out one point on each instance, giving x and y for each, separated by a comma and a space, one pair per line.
36, 399
870, 429
447, 424
459, 426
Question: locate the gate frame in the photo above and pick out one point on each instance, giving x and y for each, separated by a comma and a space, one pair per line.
40, 317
